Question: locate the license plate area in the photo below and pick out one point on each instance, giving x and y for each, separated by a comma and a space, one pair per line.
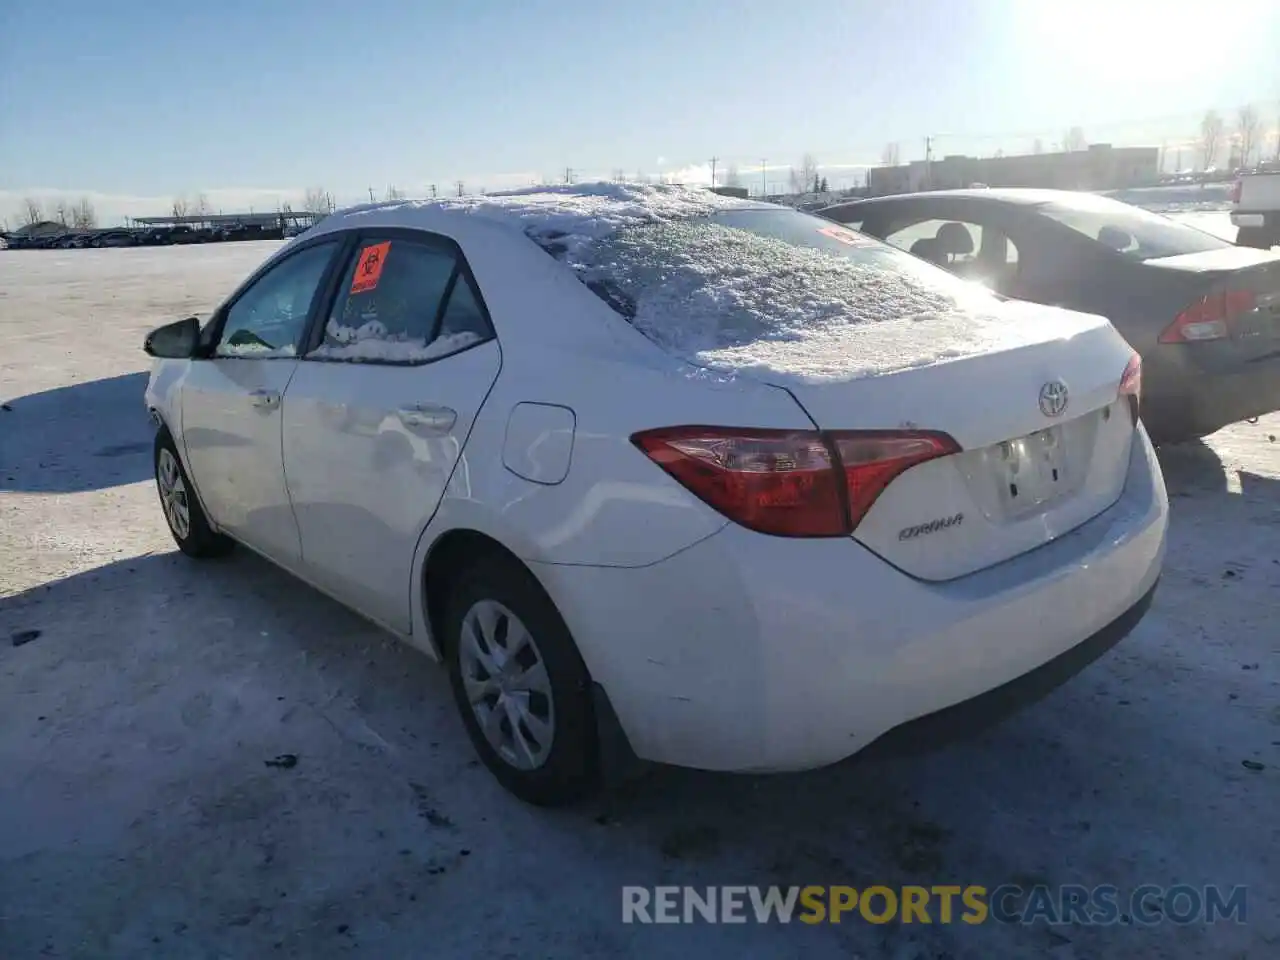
1031, 471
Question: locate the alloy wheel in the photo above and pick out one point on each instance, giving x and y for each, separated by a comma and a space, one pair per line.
507, 685
173, 494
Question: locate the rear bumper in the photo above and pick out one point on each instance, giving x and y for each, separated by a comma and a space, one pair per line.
1249, 219
972, 716
1203, 404
753, 653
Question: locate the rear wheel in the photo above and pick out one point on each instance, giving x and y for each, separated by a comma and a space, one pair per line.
520, 684
1262, 238
182, 511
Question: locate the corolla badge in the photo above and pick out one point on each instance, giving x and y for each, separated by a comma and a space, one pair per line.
1053, 398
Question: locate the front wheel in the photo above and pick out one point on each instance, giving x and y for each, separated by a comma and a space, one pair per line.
182, 511
520, 684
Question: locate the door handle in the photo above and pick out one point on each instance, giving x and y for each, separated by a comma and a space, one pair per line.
428, 417
265, 399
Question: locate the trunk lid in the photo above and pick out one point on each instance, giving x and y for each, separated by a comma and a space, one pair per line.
1241, 286
1044, 436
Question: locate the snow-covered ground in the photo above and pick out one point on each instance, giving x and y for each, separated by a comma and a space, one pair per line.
139, 816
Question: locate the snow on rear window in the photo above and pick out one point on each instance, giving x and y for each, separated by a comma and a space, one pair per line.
778, 294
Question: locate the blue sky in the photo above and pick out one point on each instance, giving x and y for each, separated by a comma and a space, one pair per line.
136, 101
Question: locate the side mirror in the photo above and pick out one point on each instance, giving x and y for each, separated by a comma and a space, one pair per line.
174, 341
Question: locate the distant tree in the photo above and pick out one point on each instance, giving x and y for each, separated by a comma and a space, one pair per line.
62, 213
1211, 130
83, 216
1037, 145
999, 153
641, 177
803, 177
1247, 124
317, 201
823, 187
618, 175
31, 212
732, 177
394, 193
180, 206
891, 156
200, 206
462, 187
1074, 140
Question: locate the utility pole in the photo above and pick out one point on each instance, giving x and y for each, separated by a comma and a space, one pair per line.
568, 174
371, 194
928, 162
433, 191
714, 161
764, 179
461, 189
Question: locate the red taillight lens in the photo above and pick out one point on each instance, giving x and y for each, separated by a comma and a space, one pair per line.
871, 460
792, 483
775, 481
1131, 385
1209, 318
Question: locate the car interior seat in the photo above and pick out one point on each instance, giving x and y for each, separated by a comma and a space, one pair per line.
955, 239
928, 248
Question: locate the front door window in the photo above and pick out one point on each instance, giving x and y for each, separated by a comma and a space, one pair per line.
270, 318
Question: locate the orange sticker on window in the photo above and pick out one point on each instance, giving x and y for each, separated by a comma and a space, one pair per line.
841, 234
369, 267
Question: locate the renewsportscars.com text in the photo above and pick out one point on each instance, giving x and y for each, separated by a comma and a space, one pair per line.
943, 903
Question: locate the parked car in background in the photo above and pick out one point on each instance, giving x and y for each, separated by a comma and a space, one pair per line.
1255, 208
116, 238
1204, 314
664, 474
155, 237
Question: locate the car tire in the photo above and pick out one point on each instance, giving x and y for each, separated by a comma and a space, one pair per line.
1261, 238
499, 626
181, 507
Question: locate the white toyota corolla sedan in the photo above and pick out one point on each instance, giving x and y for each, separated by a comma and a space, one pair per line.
668, 475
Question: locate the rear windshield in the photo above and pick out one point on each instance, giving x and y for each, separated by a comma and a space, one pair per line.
1130, 231
743, 275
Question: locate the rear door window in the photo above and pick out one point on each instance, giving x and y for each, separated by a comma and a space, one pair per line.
1129, 231
402, 301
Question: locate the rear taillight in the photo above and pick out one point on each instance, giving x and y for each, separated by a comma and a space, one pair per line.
1131, 386
1209, 318
872, 459
792, 483
1236, 188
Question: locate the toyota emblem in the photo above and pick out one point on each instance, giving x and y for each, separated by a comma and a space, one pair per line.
1053, 398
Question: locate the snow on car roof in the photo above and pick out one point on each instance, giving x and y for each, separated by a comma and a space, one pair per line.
573, 213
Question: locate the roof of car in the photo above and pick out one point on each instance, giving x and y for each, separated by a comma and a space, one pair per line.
568, 211
1024, 196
